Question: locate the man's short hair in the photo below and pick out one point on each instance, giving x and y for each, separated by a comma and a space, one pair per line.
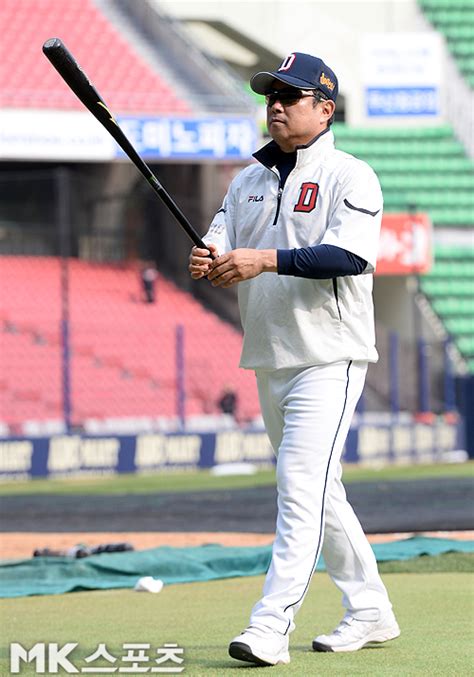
321, 96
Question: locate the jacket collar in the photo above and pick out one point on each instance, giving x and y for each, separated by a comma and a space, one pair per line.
270, 153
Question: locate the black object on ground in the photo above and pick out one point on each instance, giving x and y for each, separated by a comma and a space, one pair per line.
81, 550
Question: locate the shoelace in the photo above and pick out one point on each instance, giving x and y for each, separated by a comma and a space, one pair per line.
343, 625
350, 625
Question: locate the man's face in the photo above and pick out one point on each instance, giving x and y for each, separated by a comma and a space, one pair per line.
298, 122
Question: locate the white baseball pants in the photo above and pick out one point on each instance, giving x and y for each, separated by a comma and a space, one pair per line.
307, 414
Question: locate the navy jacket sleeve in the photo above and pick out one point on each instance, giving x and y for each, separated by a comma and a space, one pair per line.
322, 261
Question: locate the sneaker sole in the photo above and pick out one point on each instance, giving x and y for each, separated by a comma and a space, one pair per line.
376, 638
242, 652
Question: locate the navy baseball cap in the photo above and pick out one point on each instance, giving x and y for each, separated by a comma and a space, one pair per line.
299, 70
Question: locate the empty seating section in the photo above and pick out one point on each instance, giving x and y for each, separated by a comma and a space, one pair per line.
450, 288
455, 20
27, 80
426, 169
422, 168
123, 350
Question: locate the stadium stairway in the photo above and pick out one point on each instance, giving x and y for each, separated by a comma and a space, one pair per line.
426, 169
123, 361
170, 49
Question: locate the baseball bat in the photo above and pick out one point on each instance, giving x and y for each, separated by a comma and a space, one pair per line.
68, 68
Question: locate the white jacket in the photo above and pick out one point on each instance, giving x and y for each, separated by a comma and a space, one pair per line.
330, 197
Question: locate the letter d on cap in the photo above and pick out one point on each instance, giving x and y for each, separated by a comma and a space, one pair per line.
287, 62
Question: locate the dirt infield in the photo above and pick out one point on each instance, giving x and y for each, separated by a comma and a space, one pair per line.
23, 545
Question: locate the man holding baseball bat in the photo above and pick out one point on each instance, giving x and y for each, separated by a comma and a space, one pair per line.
298, 231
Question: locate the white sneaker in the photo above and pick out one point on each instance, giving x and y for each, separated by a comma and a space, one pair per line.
352, 634
260, 645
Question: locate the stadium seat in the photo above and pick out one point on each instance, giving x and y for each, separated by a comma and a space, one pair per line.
450, 289
460, 325
422, 167
454, 252
455, 20
453, 306
123, 352
29, 81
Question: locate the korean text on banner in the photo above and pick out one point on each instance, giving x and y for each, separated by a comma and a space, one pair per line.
405, 244
402, 75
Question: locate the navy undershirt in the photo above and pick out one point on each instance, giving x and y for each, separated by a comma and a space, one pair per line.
285, 163
319, 262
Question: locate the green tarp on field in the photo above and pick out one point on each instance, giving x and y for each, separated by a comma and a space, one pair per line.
56, 575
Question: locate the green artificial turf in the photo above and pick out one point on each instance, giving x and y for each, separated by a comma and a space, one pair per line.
447, 562
434, 611
205, 481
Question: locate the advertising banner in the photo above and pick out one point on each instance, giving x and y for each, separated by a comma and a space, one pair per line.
68, 455
405, 246
389, 441
188, 138
402, 74
53, 135
78, 136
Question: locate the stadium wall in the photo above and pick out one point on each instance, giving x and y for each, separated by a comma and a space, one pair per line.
371, 440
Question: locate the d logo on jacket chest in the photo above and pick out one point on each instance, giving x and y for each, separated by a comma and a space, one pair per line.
307, 197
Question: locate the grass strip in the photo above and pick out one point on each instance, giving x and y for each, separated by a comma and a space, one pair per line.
204, 481
447, 562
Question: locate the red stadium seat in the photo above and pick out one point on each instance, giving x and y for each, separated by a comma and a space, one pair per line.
27, 80
124, 352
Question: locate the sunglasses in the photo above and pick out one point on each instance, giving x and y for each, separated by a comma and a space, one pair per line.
288, 97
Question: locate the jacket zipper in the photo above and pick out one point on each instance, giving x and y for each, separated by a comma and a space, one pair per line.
280, 191
336, 295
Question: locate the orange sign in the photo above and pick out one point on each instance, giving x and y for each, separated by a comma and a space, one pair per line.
405, 244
